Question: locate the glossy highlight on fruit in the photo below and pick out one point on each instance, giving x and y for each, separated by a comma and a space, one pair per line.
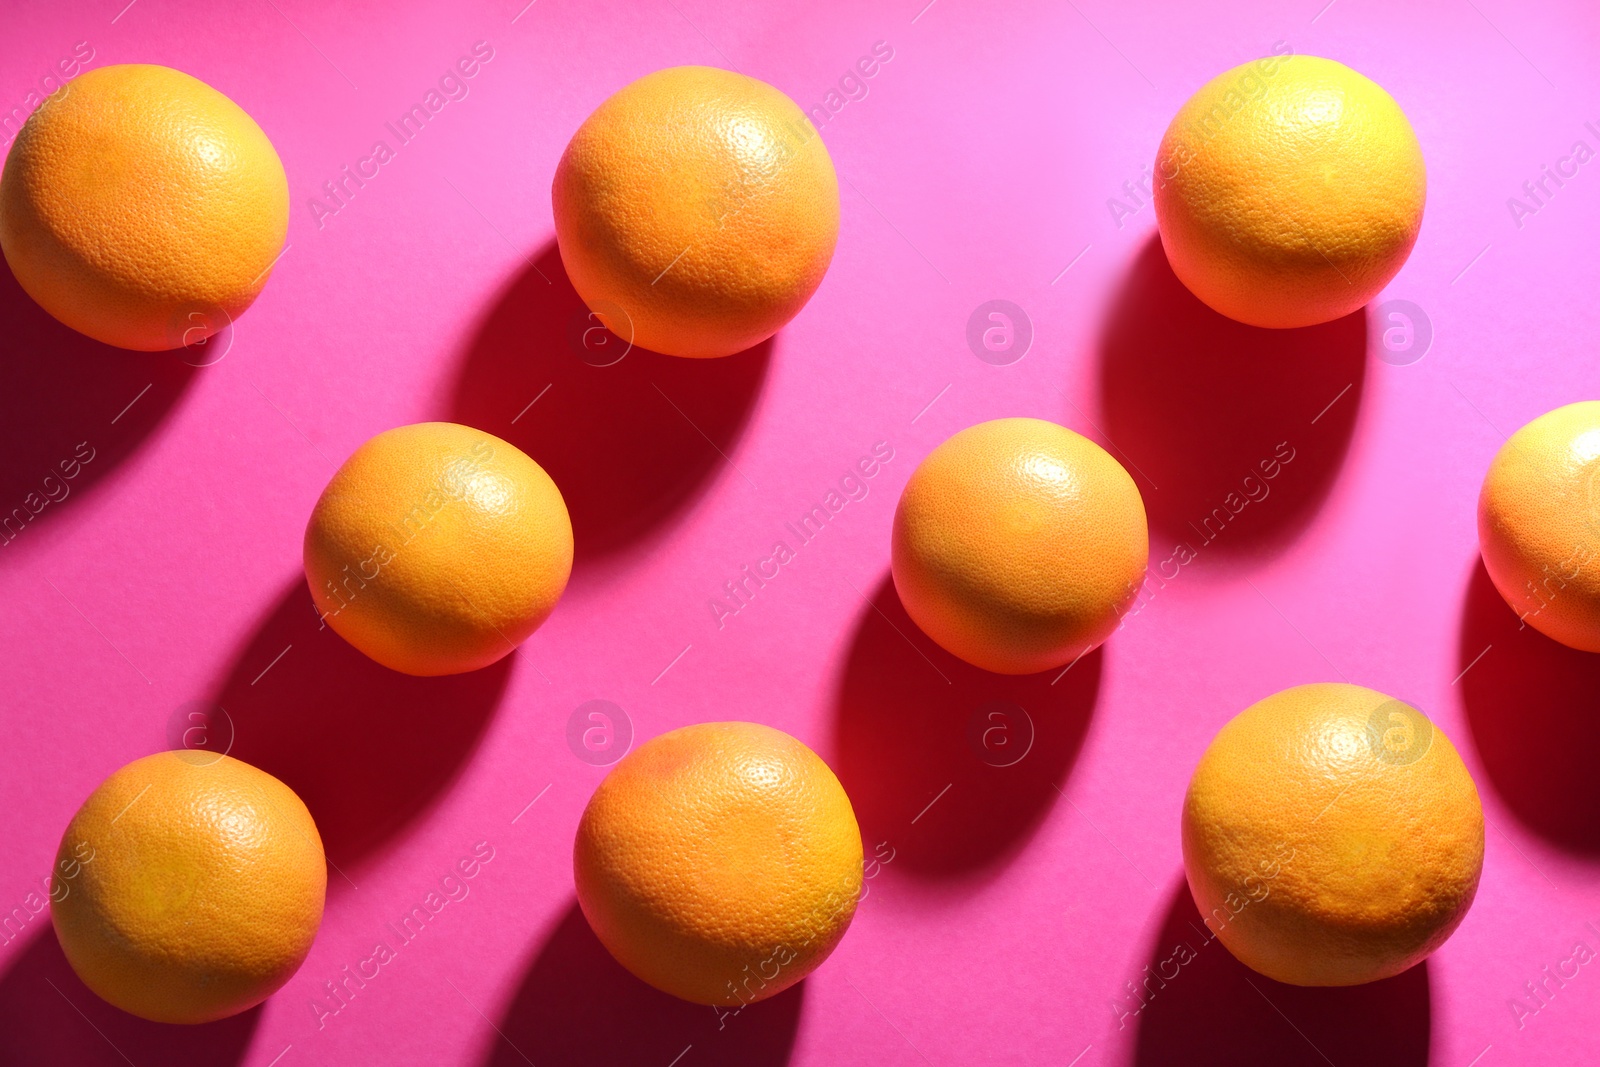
1332, 836
188, 887
1539, 524
1018, 545
1289, 191
720, 862
696, 210
142, 207
438, 548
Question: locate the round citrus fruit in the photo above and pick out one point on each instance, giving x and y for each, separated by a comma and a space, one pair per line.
1289, 191
720, 863
1018, 545
188, 887
438, 548
142, 207
1539, 524
696, 211
1332, 836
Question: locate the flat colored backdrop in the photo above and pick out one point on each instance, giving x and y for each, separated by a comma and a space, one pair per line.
998, 153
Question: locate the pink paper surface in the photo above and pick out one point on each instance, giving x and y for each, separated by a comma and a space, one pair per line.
987, 160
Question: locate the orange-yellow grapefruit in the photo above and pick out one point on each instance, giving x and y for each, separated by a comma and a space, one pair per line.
1289, 191
142, 207
696, 210
1539, 524
438, 548
1018, 545
719, 862
188, 887
1332, 836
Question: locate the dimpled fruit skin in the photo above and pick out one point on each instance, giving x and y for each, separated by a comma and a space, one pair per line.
142, 207
1295, 200
1018, 544
188, 887
1539, 524
438, 548
1314, 860
720, 862
700, 202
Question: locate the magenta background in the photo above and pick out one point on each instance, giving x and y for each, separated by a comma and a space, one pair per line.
978, 167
